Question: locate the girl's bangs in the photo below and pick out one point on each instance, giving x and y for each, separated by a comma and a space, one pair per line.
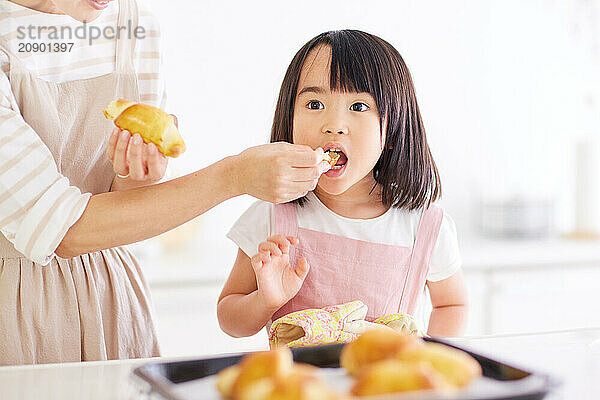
353, 65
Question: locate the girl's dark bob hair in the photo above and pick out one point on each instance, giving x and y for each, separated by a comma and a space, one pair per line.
361, 62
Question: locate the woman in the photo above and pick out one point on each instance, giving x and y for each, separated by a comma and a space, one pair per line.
68, 290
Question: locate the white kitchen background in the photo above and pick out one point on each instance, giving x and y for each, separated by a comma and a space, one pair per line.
510, 95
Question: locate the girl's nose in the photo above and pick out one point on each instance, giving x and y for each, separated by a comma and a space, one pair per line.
340, 131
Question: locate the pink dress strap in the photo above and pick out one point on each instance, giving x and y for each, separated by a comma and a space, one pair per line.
426, 238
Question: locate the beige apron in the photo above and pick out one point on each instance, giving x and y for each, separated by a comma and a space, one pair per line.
95, 306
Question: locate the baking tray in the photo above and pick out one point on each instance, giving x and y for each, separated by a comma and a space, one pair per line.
195, 379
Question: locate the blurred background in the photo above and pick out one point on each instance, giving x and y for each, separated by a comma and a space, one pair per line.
510, 96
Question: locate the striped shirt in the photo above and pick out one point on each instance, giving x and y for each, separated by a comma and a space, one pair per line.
37, 204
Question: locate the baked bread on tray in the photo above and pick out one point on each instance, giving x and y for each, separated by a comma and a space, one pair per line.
380, 361
272, 375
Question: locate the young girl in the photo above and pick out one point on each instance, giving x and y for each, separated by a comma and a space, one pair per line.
367, 232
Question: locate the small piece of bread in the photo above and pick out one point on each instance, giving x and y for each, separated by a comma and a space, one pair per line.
153, 124
331, 157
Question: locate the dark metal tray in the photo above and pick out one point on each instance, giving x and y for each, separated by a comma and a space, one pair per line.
499, 382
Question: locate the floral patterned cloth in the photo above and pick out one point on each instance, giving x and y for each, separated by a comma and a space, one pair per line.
334, 324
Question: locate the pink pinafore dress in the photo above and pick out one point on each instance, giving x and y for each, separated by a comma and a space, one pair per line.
388, 279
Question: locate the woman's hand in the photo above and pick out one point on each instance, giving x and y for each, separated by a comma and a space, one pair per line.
279, 172
277, 281
136, 163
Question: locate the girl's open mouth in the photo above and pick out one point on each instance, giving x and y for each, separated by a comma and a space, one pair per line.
339, 157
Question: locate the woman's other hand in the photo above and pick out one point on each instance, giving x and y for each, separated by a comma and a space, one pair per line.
279, 172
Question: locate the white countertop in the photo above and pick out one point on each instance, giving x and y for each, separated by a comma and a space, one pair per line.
571, 356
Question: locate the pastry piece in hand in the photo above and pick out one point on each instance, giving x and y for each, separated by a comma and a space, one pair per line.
376, 345
153, 124
331, 157
316, 326
392, 376
400, 322
457, 367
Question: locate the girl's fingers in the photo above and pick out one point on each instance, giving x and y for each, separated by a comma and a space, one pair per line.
302, 269
120, 156
293, 240
112, 141
265, 257
281, 241
270, 247
259, 260
256, 262
136, 165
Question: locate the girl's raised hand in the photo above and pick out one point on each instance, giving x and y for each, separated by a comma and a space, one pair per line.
136, 163
277, 281
279, 172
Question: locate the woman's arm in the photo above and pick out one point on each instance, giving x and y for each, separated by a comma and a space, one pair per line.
274, 172
449, 300
117, 218
239, 310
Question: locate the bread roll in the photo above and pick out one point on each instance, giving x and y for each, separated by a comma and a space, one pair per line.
393, 376
268, 364
301, 384
153, 124
225, 380
271, 376
457, 367
373, 346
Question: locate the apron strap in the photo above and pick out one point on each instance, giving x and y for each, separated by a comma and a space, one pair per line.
125, 47
286, 220
426, 238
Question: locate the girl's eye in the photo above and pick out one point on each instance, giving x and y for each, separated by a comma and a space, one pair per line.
359, 107
315, 105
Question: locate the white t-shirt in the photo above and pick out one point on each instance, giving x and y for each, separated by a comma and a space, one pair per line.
395, 227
